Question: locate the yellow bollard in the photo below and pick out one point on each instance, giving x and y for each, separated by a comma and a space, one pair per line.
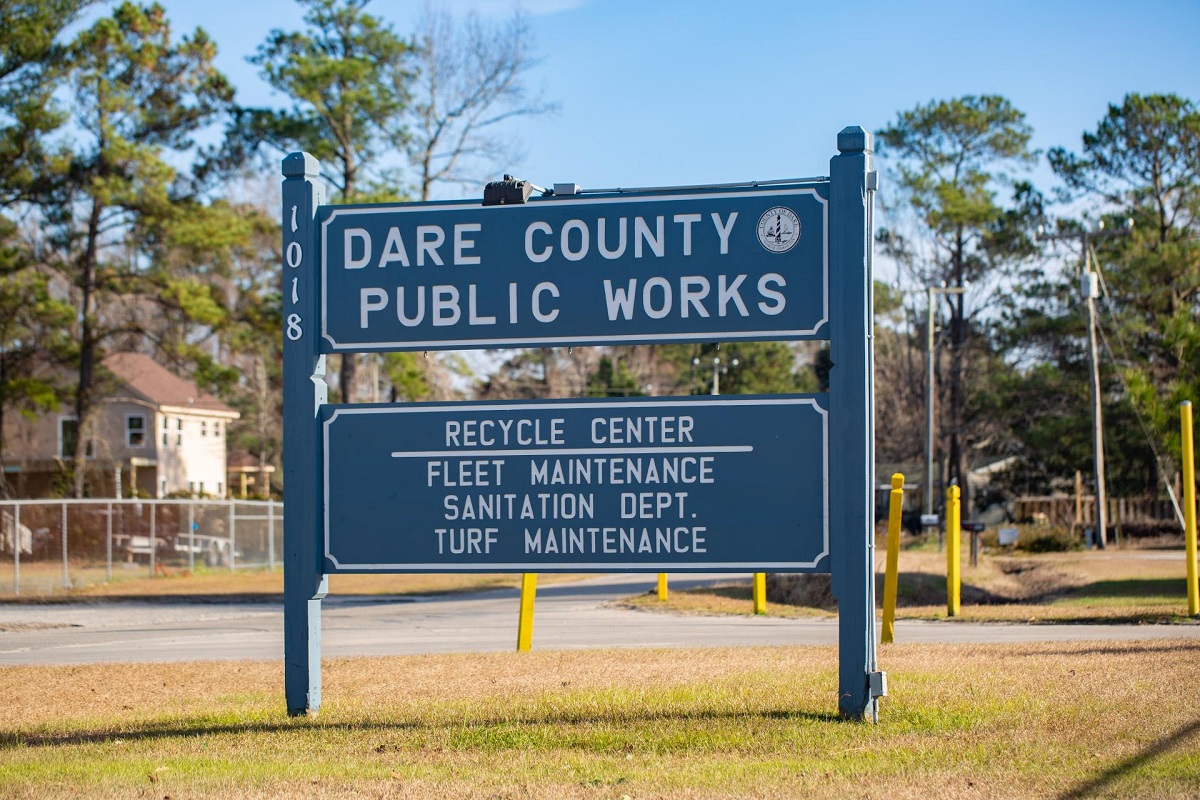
760, 593
953, 537
1189, 506
662, 587
525, 618
892, 575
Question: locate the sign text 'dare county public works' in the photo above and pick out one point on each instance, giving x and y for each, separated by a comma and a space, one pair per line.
704, 266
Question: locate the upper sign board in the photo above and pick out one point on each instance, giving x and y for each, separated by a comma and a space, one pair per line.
717, 265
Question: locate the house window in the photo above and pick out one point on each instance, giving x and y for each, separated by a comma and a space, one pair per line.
68, 438
217, 429
178, 432
162, 488
135, 430
220, 489
201, 487
203, 427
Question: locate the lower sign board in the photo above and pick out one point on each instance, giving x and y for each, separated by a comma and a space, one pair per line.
652, 485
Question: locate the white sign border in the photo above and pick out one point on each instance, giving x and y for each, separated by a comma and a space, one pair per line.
576, 566
456, 344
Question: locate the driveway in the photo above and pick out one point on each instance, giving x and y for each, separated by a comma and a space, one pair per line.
568, 616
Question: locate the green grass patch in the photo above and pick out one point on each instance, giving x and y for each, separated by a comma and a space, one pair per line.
755, 722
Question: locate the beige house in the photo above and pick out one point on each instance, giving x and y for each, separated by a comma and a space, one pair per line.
154, 432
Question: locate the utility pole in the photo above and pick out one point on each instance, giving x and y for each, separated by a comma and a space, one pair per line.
717, 369
930, 354
1089, 285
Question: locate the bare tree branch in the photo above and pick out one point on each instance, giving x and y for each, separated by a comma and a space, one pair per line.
472, 80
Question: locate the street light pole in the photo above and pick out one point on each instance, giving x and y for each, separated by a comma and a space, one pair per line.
930, 352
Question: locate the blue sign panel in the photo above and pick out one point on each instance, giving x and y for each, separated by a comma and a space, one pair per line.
718, 265
542, 486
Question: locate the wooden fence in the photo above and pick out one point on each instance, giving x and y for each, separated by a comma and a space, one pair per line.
1070, 511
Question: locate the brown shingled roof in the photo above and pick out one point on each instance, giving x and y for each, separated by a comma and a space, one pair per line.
159, 385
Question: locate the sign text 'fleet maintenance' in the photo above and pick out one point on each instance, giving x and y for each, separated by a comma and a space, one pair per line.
698, 484
728, 265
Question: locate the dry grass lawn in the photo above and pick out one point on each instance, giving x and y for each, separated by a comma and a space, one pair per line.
45, 584
1031, 721
1109, 587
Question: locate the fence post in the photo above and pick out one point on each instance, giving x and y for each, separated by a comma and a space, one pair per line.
662, 587
891, 574
108, 545
953, 556
271, 535
17, 548
66, 578
153, 525
760, 593
191, 537
232, 538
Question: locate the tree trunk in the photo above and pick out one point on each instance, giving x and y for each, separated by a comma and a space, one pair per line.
87, 349
958, 338
349, 371
5, 490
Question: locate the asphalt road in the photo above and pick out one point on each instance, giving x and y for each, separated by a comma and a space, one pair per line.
568, 616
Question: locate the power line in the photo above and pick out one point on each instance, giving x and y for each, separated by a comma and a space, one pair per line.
1108, 307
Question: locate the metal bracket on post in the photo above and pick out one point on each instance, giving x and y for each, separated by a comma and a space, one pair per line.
304, 392
852, 422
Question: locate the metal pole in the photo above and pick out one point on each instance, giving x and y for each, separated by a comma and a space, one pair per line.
1189, 506
929, 412
953, 557
153, 525
525, 612
108, 544
17, 549
191, 537
232, 539
271, 535
892, 574
66, 578
1091, 290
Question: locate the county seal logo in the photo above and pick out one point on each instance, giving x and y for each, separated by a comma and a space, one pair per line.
778, 229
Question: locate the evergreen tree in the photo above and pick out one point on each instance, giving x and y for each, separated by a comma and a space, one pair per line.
613, 378
1143, 163
33, 323
113, 205
949, 158
347, 75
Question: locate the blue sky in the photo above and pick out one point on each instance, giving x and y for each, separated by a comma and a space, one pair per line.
666, 92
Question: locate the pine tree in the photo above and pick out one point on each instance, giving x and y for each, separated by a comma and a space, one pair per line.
113, 205
949, 157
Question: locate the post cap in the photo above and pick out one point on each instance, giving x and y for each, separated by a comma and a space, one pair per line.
1185, 403
301, 165
897, 480
853, 139
952, 492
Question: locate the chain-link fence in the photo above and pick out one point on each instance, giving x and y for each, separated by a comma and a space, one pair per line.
49, 546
